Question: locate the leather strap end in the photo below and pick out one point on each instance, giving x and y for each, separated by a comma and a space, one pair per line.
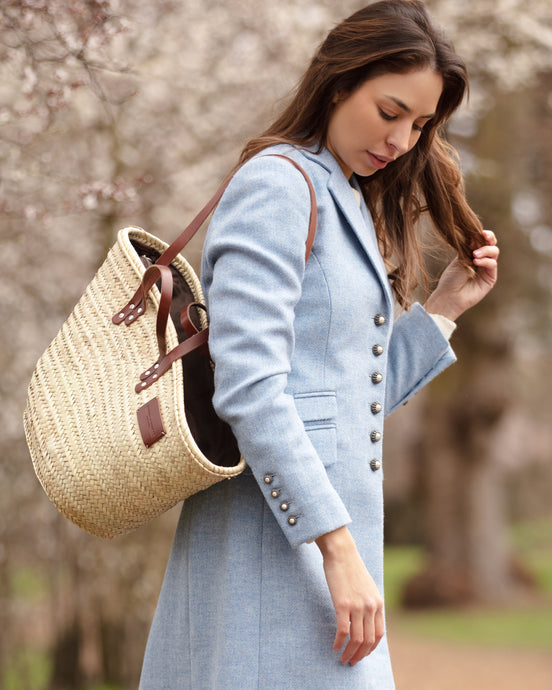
129, 313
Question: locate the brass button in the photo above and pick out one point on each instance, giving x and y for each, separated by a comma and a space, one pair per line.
375, 464
379, 319
268, 479
377, 377
375, 436
292, 520
275, 493
284, 506
376, 407
377, 350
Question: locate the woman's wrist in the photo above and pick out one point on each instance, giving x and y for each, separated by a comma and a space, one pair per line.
335, 543
436, 304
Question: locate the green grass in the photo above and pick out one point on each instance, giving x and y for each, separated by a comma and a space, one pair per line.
401, 562
31, 669
28, 670
526, 626
515, 628
533, 543
29, 584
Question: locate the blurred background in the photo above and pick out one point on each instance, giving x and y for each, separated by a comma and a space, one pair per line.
118, 112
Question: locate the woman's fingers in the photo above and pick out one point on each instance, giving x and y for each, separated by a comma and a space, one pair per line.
379, 626
486, 252
364, 628
374, 630
342, 628
356, 639
490, 236
486, 260
487, 255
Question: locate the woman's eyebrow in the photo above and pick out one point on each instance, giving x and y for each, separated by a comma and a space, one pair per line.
406, 109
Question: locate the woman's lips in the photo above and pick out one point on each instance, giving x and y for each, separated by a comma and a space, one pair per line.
378, 162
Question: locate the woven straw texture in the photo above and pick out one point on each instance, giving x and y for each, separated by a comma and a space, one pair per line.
80, 421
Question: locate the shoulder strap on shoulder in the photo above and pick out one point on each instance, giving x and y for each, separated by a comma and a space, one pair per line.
186, 235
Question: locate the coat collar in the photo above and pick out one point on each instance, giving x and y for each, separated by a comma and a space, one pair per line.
358, 217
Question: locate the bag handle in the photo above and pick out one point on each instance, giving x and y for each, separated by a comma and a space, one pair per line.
135, 307
165, 362
165, 273
160, 270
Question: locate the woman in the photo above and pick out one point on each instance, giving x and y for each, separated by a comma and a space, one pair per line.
275, 578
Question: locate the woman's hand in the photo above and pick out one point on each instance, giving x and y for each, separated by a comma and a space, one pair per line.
356, 599
457, 290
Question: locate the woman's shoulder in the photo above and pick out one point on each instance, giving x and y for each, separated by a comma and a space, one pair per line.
270, 171
272, 158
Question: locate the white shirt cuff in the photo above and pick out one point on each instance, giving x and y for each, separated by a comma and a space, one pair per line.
446, 326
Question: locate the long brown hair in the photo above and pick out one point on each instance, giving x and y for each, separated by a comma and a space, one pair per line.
391, 36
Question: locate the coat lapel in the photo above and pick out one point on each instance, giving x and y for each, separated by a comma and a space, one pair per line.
358, 217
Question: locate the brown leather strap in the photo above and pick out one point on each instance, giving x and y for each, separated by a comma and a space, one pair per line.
314, 212
189, 326
162, 365
135, 307
165, 273
170, 253
160, 270
186, 318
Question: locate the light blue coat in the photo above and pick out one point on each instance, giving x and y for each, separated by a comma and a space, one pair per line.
244, 602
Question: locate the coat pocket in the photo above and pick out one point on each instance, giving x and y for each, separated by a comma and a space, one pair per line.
318, 412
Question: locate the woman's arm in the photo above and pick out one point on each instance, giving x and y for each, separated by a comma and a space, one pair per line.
252, 272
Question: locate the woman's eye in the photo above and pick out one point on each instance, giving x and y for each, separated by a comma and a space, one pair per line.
387, 116
417, 128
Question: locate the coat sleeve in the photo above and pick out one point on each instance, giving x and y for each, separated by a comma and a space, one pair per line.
252, 270
418, 351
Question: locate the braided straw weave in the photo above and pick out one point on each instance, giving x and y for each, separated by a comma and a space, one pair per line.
80, 421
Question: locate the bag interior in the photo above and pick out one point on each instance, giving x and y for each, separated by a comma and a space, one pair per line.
213, 436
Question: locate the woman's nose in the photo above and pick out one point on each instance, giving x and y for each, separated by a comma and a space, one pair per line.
399, 139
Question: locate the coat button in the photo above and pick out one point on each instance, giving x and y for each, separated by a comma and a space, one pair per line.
375, 436
377, 350
375, 464
377, 377
284, 506
379, 319
268, 479
376, 407
275, 493
292, 520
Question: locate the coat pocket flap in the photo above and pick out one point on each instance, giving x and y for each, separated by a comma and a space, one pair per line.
317, 407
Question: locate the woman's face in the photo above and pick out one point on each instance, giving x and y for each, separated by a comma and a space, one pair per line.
382, 120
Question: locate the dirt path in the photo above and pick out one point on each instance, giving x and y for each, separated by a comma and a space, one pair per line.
421, 664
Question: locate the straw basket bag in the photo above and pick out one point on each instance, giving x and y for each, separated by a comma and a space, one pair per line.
119, 420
